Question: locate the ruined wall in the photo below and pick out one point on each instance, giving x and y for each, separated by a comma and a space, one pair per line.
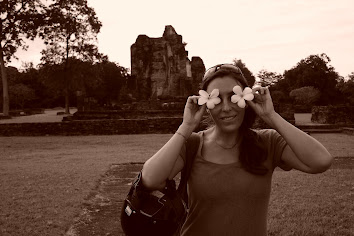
161, 66
198, 70
341, 115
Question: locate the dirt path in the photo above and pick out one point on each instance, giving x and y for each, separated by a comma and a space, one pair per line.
101, 210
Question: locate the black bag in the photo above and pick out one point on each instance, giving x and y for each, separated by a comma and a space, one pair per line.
159, 213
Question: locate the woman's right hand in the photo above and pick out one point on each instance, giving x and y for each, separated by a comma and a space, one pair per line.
193, 113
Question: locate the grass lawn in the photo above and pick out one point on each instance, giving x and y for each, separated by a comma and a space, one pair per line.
43, 181
323, 204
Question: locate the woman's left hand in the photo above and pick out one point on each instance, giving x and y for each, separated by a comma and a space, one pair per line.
262, 103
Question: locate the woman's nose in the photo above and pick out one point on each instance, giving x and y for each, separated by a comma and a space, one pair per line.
226, 106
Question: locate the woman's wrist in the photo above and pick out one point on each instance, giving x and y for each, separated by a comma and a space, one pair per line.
271, 119
185, 130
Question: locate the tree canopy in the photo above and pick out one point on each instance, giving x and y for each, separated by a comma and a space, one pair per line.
70, 33
245, 71
268, 78
315, 71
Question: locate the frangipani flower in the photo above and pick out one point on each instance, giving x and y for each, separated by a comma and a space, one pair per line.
240, 96
210, 99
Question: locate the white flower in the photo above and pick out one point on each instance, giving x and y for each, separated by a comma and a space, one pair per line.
210, 99
240, 96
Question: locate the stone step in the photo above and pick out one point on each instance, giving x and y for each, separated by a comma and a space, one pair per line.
322, 130
348, 130
318, 126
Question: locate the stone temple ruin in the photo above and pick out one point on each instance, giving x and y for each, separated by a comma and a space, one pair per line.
161, 69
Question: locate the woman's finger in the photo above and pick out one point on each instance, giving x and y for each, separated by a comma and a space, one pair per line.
202, 109
256, 89
260, 90
193, 99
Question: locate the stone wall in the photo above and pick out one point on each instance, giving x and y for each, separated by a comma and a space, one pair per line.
343, 115
198, 70
130, 114
102, 127
93, 127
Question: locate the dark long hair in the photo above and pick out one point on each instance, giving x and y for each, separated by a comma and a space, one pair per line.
253, 152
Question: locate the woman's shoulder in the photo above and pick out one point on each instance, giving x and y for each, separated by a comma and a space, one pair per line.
265, 132
267, 135
203, 133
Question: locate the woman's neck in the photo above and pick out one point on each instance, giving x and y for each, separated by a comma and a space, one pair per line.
226, 139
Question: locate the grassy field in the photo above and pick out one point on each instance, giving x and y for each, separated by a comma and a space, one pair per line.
43, 181
315, 205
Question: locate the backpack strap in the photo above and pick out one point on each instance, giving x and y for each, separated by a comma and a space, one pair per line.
192, 145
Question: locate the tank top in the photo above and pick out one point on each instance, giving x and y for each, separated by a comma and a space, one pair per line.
225, 199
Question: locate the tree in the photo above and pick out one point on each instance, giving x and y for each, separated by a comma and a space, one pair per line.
112, 77
306, 95
278, 96
314, 71
19, 20
11, 75
83, 77
31, 77
70, 33
268, 78
346, 89
245, 71
21, 95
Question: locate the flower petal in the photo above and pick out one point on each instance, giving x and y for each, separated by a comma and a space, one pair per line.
247, 90
216, 100
203, 93
241, 103
248, 96
214, 93
235, 98
237, 90
210, 104
202, 100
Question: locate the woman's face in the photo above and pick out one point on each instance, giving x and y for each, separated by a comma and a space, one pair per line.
228, 116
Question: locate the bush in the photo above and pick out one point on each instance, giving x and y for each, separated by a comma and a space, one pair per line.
305, 95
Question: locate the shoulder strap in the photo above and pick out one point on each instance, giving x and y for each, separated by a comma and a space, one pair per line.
192, 145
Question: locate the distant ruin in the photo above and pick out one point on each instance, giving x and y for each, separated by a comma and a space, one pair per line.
161, 69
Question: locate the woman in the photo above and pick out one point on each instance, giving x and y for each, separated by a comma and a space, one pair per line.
230, 181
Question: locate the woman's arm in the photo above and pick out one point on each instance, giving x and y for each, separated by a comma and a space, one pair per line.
303, 152
165, 162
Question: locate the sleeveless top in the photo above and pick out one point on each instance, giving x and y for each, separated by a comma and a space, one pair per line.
225, 199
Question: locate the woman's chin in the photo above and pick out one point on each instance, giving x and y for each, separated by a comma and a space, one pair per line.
229, 128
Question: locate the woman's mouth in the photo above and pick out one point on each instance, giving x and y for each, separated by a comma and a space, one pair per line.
227, 118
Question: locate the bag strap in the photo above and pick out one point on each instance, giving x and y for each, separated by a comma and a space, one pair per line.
192, 145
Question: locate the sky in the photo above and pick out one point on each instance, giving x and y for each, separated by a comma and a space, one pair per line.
265, 34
